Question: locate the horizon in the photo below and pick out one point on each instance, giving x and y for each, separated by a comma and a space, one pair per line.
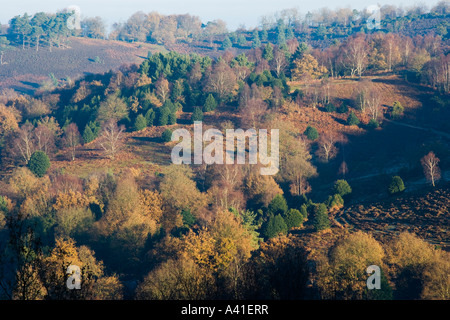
233, 12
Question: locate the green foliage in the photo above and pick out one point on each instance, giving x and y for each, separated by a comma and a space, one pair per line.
140, 123
166, 135
343, 108
268, 52
373, 124
396, 185
342, 187
150, 117
39, 163
242, 42
163, 116
304, 211
210, 103
172, 119
321, 220
397, 110
293, 218
274, 227
88, 135
330, 107
197, 115
226, 43
311, 133
278, 205
335, 200
188, 218
352, 119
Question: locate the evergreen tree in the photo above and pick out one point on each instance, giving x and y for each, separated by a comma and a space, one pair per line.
256, 43
342, 187
311, 133
396, 185
88, 135
166, 135
275, 226
39, 163
163, 116
242, 42
197, 115
140, 123
268, 52
210, 103
278, 205
293, 219
321, 220
172, 119
150, 117
226, 43
352, 119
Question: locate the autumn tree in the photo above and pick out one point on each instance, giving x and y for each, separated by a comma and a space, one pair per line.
252, 113
222, 80
430, 167
355, 51
307, 67
112, 108
162, 89
111, 138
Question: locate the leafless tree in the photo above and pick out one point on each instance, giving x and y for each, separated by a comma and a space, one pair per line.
72, 138
111, 138
24, 142
374, 103
252, 113
327, 145
355, 53
45, 138
430, 167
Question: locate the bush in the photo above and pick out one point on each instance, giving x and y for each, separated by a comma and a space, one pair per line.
88, 135
352, 119
140, 123
330, 107
304, 211
311, 133
342, 187
335, 201
343, 108
397, 110
166, 135
163, 116
278, 205
172, 119
396, 185
293, 219
275, 226
150, 117
321, 220
39, 163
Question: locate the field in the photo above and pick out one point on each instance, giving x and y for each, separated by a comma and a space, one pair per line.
26, 70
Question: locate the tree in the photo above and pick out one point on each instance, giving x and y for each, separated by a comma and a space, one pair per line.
396, 185
252, 113
327, 145
397, 110
222, 80
210, 103
275, 226
140, 123
321, 220
39, 163
72, 138
162, 89
268, 52
226, 43
307, 67
311, 133
352, 119
4, 44
88, 135
197, 115
112, 108
293, 218
355, 55
111, 138
93, 28
430, 167
278, 205
342, 187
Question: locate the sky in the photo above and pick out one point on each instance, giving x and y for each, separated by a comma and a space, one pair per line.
234, 12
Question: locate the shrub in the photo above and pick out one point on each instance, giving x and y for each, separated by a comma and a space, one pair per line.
397, 110
150, 117
343, 108
275, 226
330, 107
373, 124
140, 123
352, 119
396, 185
321, 220
335, 201
311, 133
293, 218
172, 119
88, 135
342, 187
39, 163
166, 135
304, 211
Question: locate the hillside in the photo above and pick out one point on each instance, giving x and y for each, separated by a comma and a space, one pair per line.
26, 70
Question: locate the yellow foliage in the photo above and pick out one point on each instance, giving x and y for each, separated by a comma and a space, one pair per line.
70, 199
307, 66
151, 201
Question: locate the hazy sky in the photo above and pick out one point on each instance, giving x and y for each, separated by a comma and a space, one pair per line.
233, 12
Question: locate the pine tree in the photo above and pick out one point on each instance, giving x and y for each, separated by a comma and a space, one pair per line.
226, 44
88, 135
210, 103
140, 123
275, 226
311, 133
396, 185
39, 163
197, 115
321, 220
352, 119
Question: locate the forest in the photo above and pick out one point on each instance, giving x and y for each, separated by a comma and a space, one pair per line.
86, 177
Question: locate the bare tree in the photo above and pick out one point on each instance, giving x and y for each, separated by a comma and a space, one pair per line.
72, 138
430, 167
45, 138
355, 54
252, 113
24, 142
111, 138
279, 61
373, 102
327, 145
